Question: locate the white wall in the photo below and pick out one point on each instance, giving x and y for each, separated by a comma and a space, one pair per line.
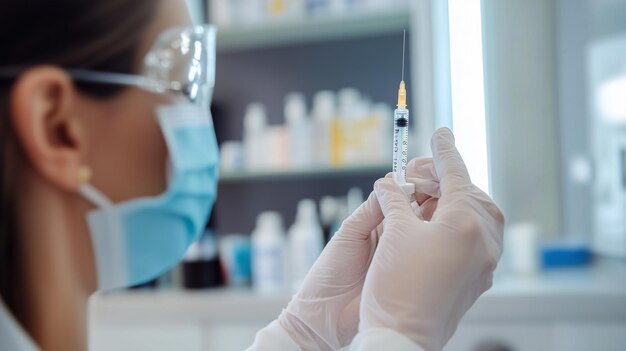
520, 84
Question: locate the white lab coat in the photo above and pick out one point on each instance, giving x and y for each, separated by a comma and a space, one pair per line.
12, 336
272, 337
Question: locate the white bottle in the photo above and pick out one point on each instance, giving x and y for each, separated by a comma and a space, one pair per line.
350, 112
299, 130
323, 113
329, 206
341, 215
348, 98
268, 253
231, 156
254, 137
306, 242
383, 113
354, 199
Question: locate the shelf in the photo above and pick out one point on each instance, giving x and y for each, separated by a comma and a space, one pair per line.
310, 29
581, 294
296, 174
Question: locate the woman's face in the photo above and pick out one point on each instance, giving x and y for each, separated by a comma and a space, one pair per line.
68, 137
126, 151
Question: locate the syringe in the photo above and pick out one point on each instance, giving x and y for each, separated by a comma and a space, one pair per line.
401, 135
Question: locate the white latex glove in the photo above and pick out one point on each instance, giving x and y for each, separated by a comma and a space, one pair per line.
424, 276
324, 314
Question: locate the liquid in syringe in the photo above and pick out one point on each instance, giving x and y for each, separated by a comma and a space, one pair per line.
400, 140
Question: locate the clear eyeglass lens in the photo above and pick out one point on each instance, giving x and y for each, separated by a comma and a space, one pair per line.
185, 57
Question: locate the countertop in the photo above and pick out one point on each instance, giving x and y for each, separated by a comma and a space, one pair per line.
584, 294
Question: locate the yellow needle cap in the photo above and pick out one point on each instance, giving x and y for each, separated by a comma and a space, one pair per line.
402, 95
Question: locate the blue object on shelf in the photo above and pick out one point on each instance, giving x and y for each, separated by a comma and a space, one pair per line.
554, 256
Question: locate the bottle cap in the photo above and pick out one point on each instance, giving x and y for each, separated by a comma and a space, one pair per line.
270, 220
324, 105
354, 198
328, 210
295, 108
307, 210
256, 116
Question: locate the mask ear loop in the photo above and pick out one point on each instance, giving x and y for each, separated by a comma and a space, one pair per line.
89, 192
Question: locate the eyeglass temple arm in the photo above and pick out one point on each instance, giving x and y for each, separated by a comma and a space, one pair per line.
124, 79
90, 76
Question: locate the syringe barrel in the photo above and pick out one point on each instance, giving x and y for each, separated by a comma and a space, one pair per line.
400, 144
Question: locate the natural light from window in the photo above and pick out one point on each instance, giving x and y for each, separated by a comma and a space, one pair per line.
467, 87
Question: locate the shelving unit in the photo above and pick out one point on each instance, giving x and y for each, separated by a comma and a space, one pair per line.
304, 173
262, 62
308, 29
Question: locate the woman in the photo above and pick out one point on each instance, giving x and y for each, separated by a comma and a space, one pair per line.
109, 169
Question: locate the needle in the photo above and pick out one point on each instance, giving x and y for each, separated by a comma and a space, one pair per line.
403, 46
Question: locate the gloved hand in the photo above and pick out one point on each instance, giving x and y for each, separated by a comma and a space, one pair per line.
424, 276
421, 172
324, 314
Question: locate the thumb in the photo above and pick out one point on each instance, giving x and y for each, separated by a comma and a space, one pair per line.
449, 165
363, 220
393, 201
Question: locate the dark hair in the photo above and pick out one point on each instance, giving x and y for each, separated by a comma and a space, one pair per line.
103, 35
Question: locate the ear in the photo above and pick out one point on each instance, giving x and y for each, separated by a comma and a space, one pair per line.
50, 134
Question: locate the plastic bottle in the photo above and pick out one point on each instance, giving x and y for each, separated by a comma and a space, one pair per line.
318, 7
379, 144
366, 127
276, 148
236, 256
286, 9
306, 242
268, 253
231, 156
328, 214
254, 135
354, 199
299, 131
201, 264
357, 130
323, 113
344, 135
341, 214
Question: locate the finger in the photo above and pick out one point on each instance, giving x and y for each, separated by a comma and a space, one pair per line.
393, 201
348, 323
427, 208
422, 167
421, 173
449, 165
363, 220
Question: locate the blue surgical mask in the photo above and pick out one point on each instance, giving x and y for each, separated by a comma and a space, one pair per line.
138, 240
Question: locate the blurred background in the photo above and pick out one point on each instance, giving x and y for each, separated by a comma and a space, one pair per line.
535, 91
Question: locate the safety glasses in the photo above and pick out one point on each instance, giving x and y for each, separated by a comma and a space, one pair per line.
181, 63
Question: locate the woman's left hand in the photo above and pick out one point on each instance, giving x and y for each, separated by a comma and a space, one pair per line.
324, 314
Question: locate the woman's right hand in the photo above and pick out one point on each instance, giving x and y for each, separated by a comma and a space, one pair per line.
424, 276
